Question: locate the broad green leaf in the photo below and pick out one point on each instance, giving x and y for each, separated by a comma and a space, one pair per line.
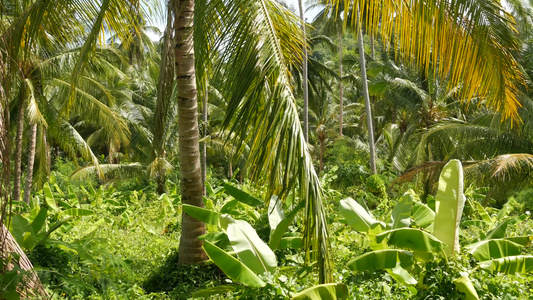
401, 214
449, 204
235, 269
422, 214
357, 216
481, 211
58, 190
499, 231
413, 239
250, 249
276, 236
293, 242
73, 199
464, 285
401, 275
229, 207
39, 220
49, 197
217, 290
201, 214
509, 265
323, 291
79, 212
20, 227
496, 248
242, 196
381, 259
218, 238
209, 190
521, 240
275, 212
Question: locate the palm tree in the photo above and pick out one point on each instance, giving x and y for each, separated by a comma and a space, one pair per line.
304, 71
368, 106
472, 42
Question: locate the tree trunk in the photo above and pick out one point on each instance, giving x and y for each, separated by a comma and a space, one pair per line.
368, 108
190, 249
31, 160
341, 100
304, 75
204, 134
164, 93
18, 149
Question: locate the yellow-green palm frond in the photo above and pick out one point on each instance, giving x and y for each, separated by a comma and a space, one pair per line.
471, 43
262, 110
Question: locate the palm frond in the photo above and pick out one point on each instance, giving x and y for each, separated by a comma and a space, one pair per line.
472, 43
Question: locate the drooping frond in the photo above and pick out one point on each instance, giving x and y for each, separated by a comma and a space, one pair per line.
260, 39
470, 43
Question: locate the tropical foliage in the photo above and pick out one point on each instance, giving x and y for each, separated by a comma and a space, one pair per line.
242, 151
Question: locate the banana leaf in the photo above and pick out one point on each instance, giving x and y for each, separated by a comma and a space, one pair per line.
509, 265
422, 215
381, 259
201, 214
401, 214
464, 285
401, 275
496, 248
449, 204
330, 291
232, 267
281, 228
250, 249
357, 216
413, 239
241, 195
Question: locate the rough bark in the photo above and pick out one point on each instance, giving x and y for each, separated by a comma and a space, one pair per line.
304, 75
31, 160
18, 150
190, 249
341, 89
368, 107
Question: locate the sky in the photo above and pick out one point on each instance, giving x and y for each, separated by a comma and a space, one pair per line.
160, 21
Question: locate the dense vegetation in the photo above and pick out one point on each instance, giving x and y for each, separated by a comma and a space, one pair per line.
179, 168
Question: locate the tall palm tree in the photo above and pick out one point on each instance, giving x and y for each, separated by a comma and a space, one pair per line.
368, 105
304, 71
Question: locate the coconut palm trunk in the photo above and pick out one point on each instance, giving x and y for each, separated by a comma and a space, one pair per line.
190, 249
204, 144
304, 75
368, 108
31, 161
18, 148
341, 89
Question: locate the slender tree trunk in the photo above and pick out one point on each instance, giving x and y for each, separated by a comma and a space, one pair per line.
31, 160
304, 75
190, 249
204, 134
372, 47
164, 93
341, 89
368, 107
18, 149
230, 164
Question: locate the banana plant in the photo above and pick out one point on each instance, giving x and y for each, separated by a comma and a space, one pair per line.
252, 256
417, 234
32, 228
